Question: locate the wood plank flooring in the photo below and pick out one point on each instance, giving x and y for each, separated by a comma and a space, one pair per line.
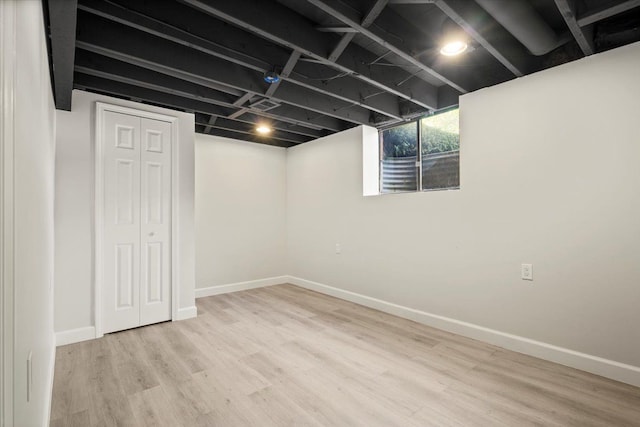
285, 356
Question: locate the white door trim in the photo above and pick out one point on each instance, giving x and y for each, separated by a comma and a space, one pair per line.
101, 108
8, 74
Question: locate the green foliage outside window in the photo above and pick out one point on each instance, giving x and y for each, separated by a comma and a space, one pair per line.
440, 133
400, 141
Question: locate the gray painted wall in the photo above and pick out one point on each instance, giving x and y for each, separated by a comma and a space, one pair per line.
240, 211
549, 176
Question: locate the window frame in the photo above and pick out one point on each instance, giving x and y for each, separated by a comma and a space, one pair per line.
417, 167
419, 155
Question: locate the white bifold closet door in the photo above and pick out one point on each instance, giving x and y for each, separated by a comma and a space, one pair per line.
136, 283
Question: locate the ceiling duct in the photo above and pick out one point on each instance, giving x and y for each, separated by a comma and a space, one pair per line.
264, 105
524, 23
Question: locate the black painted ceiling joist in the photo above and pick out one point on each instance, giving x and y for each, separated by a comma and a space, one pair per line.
210, 122
249, 129
282, 130
606, 11
307, 121
141, 48
299, 34
101, 66
285, 73
243, 137
411, 1
240, 48
104, 85
341, 62
368, 19
171, 61
495, 39
582, 35
239, 103
348, 17
62, 28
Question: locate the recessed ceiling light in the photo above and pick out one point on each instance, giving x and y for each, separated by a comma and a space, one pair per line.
454, 48
263, 129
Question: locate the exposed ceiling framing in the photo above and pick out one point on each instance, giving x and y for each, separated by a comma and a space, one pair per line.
583, 35
62, 27
341, 63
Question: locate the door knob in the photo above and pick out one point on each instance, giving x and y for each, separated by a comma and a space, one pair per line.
152, 234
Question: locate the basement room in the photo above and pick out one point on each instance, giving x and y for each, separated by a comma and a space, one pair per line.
319, 213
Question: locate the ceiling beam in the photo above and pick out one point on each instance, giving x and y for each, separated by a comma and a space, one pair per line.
122, 15
122, 72
368, 19
90, 56
606, 11
104, 66
86, 81
244, 98
500, 44
62, 27
582, 35
90, 81
248, 129
284, 74
210, 123
411, 1
336, 29
238, 113
338, 11
341, 46
252, 56
239, 103
130, 45
374, 12
243, 137
300, 34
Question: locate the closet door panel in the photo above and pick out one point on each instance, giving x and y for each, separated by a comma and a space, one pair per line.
155, 212
121, 219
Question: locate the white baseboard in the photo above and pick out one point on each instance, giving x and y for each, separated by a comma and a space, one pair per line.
187, 313
607, 368
75, 335
240, 286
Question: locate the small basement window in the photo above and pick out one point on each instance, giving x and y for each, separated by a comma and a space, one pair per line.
421, 156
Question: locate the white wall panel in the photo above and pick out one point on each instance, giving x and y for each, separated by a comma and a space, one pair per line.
546, 179
28, 150
240, 211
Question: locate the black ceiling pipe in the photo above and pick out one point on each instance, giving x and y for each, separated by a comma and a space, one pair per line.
526, 25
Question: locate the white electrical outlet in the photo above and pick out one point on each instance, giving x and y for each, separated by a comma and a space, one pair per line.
338, 248
527, 272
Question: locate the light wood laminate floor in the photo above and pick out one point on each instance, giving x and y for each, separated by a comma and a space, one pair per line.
285, 356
